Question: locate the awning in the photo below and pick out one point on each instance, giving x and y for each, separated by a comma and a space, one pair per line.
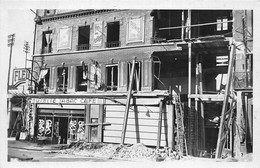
16, 94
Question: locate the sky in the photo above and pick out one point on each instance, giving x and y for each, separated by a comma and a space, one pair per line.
21, 23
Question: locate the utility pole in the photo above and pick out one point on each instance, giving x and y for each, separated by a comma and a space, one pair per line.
11, 39
26, 49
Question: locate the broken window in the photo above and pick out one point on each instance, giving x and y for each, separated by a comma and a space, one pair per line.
113, 29
82, 78
83, 40
47, 42
112, 77
62, 79
43, 81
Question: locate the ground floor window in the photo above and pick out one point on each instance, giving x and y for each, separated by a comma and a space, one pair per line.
61, 128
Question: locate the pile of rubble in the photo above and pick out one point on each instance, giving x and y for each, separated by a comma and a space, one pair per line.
136, 151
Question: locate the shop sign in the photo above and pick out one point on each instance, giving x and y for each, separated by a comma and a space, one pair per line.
64, 101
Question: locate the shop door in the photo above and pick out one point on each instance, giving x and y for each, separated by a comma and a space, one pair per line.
63, 127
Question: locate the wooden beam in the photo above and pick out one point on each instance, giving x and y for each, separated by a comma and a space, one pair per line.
201, 105
221, 140
196, 105
98, 124
159, 125
207, 97
239, 114
129, 95
87, 128
171, 122
189, 79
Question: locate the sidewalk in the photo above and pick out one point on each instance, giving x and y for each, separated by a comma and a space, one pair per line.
26, 145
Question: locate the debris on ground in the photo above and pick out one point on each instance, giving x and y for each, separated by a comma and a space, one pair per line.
117, 151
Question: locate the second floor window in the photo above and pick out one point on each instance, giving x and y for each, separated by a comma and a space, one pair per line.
43, 81
62, 79
82, 78
113, 29
112, 77
47, 42
83, 41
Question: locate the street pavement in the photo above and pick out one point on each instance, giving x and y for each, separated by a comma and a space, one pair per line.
32, 152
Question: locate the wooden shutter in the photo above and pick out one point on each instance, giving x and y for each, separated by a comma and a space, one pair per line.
122, 70
147, 81
53, 79
71, 79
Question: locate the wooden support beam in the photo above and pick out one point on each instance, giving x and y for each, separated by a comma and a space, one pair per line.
100, 120
98, 124
171, 128
207, 97
159, 125
221, 140
189, 79
239, 115
196, 106
87, 128
129, 95
201, 105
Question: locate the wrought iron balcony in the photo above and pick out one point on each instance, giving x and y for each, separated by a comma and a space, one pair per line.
83, 47
112, 44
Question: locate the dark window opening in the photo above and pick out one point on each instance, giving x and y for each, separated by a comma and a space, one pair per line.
137, 76
166, 19
112, 77
82, 78
62, 79
113, 29
47, 42
43, 81
83, 41
219, 17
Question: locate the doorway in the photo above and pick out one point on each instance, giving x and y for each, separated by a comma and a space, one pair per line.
63, 130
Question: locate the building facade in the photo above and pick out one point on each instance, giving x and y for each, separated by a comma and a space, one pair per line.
135, 76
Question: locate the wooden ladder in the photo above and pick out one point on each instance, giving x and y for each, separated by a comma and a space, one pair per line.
181, 143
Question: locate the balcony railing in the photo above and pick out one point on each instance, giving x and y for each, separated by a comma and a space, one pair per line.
112, 44
45, 50
83, 47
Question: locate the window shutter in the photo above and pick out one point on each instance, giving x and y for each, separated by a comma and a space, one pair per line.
53, 79
147, 81
71, 79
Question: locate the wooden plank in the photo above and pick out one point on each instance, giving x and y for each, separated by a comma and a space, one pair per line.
138, 108
133, 141
140, 115
170, 127
100, 120
159, 125
201, 106
128, 134
138, 101
239, 115
133, 127
207, 97
220, 142
132, 121
87, 128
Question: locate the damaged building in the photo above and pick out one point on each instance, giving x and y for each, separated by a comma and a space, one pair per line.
175, 78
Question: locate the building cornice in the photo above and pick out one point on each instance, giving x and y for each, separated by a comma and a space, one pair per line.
75, 14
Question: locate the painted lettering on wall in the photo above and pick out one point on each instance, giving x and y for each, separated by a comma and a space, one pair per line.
64, 101
20, 74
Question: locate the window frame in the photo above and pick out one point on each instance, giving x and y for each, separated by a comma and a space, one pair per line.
141, 28
106, 72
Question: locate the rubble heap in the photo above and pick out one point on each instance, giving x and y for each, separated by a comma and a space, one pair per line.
136, 151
